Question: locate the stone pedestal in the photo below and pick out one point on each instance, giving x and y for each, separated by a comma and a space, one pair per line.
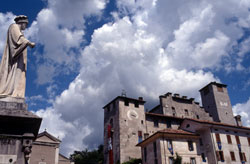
18, 129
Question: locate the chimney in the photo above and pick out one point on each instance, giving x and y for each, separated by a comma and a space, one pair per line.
140, 98
238, 120
176, 95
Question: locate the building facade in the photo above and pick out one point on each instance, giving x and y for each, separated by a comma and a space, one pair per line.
208, 134
45, 150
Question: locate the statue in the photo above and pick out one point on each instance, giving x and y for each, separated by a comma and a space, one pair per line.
14, 60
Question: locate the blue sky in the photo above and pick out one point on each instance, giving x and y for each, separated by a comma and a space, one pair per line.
88, 51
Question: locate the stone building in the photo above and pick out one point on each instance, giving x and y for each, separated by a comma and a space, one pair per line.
45, 150
208, 134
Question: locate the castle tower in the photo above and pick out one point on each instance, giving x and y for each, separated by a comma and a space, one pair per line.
124, 127
216, 101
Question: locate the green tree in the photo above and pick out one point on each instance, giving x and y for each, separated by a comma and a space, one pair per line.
178, 159
88, 157
133, 161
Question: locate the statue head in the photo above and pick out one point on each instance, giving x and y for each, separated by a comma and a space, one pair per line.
22, 20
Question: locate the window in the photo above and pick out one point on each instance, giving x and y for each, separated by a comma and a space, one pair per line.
156, 123
219, 88
220, 156
190, 146
229, 140
111, 122
232, 156
186, 112
201, 142
108, 108
139, 136
206, 91
203, 157
114, 105
136, 104
142, 122
168, 123
155, 153
197, 116
171, 160
217, 135
173, 111
145, 154
126, 103
248, 141
237, 140
243, 157
146, 135
192, 161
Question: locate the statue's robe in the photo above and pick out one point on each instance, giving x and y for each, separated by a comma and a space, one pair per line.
14, 64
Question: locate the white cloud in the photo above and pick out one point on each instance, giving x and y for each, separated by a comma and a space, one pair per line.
5, 21
243, 110
162, 46
59, 31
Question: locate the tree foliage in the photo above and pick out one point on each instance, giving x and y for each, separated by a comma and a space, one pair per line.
133, 161
178, 159
88, 157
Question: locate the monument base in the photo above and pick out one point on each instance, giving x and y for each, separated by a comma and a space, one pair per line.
18, 129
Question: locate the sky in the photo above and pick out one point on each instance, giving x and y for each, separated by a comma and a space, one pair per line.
88, 51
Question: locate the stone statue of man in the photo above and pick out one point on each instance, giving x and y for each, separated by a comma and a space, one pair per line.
14, 60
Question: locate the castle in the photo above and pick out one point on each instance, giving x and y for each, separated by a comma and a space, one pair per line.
200, 135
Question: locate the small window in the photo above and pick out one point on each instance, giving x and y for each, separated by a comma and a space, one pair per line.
242, 157
111, 122
237, 140
156, 123
206, 91
139, 136
197, 116
146, 135
217, 135
136, 104
114, 105
220, 156
171, 160
186, 112
192, 161
229, 140
190, 146
219, 88
142, 122
126, 103
232, 156
170, 145
145, 154
173, 111
168, 123
201, 142
108, 108
203, 157
248, 141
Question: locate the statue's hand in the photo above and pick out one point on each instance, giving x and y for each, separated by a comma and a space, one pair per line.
32, 45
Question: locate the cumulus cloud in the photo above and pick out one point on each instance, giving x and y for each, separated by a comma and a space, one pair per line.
59, 31
243, 110
151, 47
5, 21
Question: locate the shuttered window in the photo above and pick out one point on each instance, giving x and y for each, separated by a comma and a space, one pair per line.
220, 156
232, 156
237, 139
229, 140
217, 135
